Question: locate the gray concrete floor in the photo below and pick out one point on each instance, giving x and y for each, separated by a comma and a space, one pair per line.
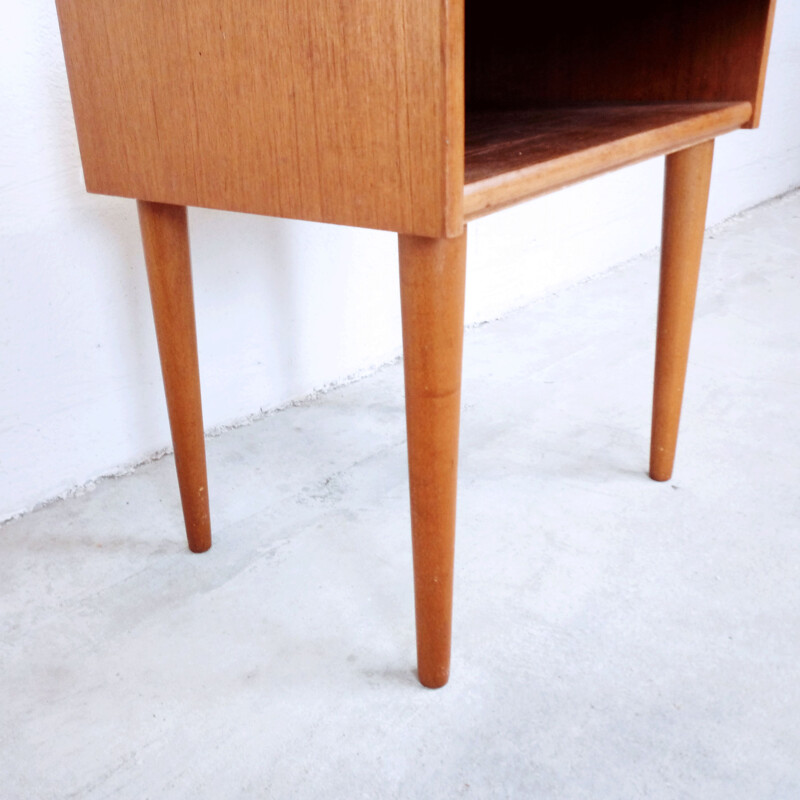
613, 638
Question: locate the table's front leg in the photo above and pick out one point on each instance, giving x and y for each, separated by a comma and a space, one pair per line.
432, 275
688, 175
165, 237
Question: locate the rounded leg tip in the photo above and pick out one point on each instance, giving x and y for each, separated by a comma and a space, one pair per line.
662, 461
200, 545
660, 475
434, 679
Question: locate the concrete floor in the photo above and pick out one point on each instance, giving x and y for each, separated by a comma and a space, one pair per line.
613, 638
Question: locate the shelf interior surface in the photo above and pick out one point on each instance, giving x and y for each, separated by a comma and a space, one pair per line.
511, 155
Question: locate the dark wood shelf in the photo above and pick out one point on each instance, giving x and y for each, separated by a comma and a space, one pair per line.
513, 155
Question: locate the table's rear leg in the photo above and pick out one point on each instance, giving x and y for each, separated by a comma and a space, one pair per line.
432, 294
688, 173
165, 237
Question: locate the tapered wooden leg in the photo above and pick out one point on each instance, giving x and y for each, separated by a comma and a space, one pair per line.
165, 236
688, 174
432, 295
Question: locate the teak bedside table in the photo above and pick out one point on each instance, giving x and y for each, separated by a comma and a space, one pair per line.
367, 113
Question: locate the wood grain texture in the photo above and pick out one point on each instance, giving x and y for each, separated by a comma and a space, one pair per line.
519, 55
357, 113
165, 237
432, 273
322, 110
762, 67
513, 155
687, 179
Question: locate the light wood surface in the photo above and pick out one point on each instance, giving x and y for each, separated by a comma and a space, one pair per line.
432, 293
513, 155
763, 46
521, 55
688, 174
165, 237
365, 113
338, 112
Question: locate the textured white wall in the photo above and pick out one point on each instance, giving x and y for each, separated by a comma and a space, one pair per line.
283, 307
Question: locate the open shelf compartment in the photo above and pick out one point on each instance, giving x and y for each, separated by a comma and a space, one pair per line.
514, 155
555, 93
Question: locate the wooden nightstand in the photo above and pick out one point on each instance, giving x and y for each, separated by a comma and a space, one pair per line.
367, 113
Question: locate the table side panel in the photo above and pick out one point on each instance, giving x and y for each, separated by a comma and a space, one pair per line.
764, 43
317, 109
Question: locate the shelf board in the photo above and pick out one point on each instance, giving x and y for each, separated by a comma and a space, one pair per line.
513, 155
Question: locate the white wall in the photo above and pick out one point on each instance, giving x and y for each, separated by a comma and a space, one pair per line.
283, 307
